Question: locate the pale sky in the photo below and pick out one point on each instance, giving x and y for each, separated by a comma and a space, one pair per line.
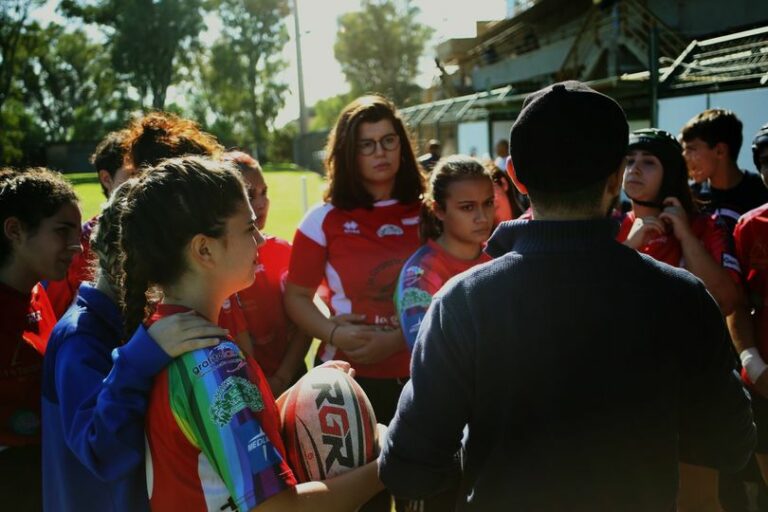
322, 74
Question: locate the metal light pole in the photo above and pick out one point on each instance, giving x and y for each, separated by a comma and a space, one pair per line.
302, 106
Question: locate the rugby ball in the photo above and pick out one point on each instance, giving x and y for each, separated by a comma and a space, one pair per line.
328, 425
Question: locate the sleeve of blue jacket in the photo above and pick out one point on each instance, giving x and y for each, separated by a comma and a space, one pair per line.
418, 457
104, 399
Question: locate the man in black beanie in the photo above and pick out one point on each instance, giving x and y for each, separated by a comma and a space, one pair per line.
572, 401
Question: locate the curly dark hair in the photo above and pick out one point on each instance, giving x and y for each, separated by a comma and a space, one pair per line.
31, 195
160, 135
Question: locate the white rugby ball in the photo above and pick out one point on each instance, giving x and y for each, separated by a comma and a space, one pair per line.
328, 425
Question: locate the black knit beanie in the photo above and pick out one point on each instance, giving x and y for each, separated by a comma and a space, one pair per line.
568, 136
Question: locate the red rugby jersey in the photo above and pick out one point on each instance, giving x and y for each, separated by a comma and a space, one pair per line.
27, 321
360, 253
714, 235
751, 237
259, 308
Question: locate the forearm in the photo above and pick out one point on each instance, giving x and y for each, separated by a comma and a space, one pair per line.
344, 492
303, 312
741, 328
701, 264
298, 344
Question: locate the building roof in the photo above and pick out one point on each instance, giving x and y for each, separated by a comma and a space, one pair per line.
732, 61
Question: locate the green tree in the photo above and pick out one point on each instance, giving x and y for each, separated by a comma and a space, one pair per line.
240, 95
379, 48
327, 110
69, 86
149, 39
14, 23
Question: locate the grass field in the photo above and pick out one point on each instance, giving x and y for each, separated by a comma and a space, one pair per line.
285, 193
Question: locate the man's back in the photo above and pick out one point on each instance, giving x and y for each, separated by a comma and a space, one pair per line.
581, 367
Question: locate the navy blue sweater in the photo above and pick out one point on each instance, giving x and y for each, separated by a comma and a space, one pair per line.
95, 395
584, 370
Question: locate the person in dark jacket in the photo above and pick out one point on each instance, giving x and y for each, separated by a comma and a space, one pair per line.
573, 400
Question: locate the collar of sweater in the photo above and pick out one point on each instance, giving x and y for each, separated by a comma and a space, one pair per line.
546, 236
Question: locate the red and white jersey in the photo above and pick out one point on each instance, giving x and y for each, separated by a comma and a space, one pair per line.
259, 308
26, 323
360, 253
751, 237
708, 229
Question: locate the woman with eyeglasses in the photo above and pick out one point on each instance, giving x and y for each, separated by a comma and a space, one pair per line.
357, 242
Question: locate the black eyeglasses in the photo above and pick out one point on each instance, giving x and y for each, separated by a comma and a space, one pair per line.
367, 147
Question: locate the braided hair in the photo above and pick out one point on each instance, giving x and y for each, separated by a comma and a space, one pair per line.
166, 208
105, 238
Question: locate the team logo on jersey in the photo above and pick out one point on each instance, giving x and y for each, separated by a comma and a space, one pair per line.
232, 396
389, 230
412, 275
227, 305
224, 355
415, 298
351, 228
34, 317
410, 221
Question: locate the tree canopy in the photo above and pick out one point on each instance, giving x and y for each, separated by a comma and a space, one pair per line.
379, 48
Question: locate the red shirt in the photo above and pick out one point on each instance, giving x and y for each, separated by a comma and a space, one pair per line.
61, 293
751, 237
259, 308
213, 432
360, 253
713, 235
27, 321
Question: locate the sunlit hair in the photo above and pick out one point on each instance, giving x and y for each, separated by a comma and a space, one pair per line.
713, 126
345, 185
166, 208
447, 171
30, 195
105, 238
109, 154
160, 135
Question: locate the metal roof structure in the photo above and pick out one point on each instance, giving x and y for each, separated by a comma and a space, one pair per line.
731, 61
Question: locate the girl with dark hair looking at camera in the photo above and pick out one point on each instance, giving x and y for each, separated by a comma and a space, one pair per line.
40, 221
357, 242
665, 222
456, 221
96, 386
207, 406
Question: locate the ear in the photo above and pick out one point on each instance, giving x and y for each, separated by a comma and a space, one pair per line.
13, 229
106, 180
438, 212
613, 184
721, 150
513, 176
203, 251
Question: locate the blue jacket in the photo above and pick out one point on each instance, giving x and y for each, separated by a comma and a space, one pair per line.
95, 395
